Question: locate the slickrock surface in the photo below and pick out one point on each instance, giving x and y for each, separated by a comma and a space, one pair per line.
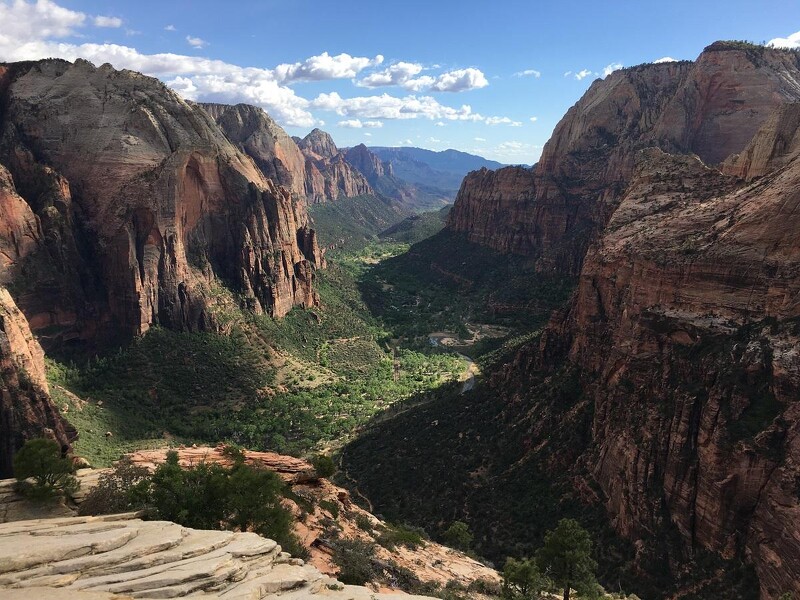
711, 107
430, 563
25, 407
144, 206
119, 556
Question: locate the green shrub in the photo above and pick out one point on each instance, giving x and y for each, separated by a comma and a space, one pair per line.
323, 465
330, 506
458, 536
355, 559
363, 522
522, 579
123, 489
401, 535
41, 459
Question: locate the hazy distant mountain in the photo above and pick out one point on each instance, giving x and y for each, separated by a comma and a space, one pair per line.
443, 170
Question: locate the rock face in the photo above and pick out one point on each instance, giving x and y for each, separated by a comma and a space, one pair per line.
328, 174
25, 407
711, 107
143, 204
263, 140
120, 556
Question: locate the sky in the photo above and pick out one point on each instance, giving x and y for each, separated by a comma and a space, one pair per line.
490, 78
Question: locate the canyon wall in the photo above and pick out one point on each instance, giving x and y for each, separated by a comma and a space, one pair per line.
711, 107
138, 205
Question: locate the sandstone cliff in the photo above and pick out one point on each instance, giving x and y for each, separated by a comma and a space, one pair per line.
711, 107
25, 407
328, 174
144, 206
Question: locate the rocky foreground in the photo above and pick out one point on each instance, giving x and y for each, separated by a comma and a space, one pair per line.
120, 556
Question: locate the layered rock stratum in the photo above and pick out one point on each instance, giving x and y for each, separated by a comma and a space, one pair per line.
122, 557
711, 107
144, 206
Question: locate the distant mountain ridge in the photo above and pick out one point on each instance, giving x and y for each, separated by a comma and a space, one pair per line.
444, 169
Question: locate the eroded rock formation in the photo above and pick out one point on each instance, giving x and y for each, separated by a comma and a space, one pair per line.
144, 205
711, 107
328, 174
25, 408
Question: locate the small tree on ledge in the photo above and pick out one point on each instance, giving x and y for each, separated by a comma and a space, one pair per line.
566, 557
41, 459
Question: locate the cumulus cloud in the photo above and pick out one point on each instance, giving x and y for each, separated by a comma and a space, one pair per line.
460, 81
196, 42
534, 119
503, 121
791, 41
440, 124
34, 30
113, 22
582, 74
434, 140
568, 73
396, 74
170, 28
480, 139
407, 75
325, 66
609, 69
359, 124
391, 107
665, 59
528, 73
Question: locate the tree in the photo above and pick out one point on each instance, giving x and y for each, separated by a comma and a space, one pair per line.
566, 557
323, 465
41, 459
458, 536
522, 579
355, 561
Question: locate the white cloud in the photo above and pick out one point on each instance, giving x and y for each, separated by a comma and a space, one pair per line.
534, 119
170, 28
528, 73
582, 74
391, 107
196, 42
609, 69
434, 140
22, 21
396, 74
405, 143
791, 41
568, 73
665, 59
367, 134
101, 21
480, 139
407, 75
359, 124
503, 121
440, 124
460, 81
325, 66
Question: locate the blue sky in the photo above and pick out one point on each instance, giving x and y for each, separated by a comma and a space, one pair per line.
483, 77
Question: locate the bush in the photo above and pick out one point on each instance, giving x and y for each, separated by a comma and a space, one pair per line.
401, 535
41, 459
123, 489
331, 506
323, 465
363, 522
522, 579
458, 536
355, 561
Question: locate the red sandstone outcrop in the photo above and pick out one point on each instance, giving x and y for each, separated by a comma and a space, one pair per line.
20, 233
25, 407
684, 326
711, 108
328, 174
144, 203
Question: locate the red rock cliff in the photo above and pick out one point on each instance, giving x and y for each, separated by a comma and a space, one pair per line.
328, 174
25, 407
144, 205
711, 107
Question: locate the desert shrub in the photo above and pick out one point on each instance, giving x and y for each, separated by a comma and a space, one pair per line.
363, 522
402, 535
522, 579
323, 465
123, 489
42, 460
458, 536
331, 506
355, 559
